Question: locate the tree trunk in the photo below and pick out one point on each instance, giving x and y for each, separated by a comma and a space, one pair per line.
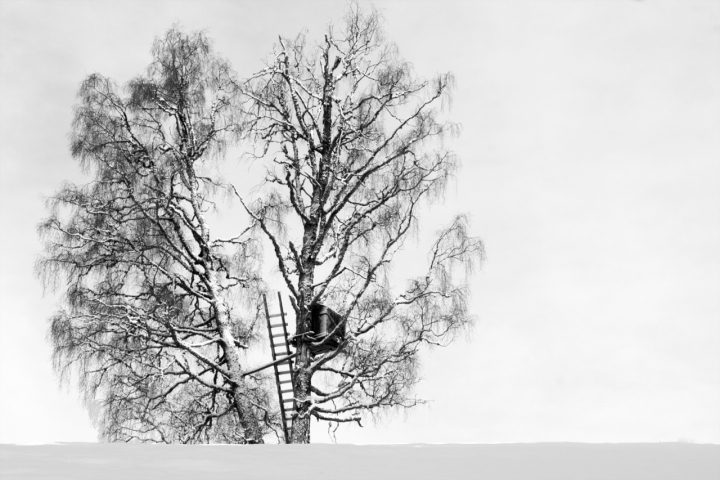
302, 376
301, 389
248, 420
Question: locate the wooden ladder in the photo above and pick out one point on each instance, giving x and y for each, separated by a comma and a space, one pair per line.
279, 346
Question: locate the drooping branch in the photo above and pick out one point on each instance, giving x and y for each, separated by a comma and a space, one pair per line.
158, 312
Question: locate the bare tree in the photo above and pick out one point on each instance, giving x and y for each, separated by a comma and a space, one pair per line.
158, 311
355, 146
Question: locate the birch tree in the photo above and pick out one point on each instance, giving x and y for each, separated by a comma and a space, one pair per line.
158, 312
354, 143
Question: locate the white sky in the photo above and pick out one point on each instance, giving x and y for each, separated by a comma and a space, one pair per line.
591, 153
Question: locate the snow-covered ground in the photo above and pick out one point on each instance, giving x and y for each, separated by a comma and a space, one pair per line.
556, 461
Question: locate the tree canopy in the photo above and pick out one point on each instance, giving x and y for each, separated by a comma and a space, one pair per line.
158, 311
355, 143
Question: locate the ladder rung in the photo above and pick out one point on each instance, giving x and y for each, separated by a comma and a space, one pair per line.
275, 325
291, 400
286, 391
285, 381
278, 335
273, 315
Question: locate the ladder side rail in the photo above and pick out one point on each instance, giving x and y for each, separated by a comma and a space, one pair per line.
284, 327
275, 367
270, 335
288, 396
288, 408
282, 405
